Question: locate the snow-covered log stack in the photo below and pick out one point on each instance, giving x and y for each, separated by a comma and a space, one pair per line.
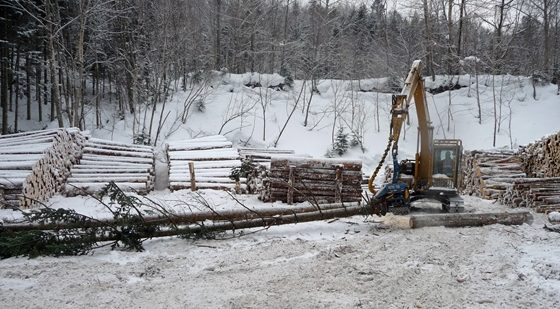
130, 166
34, 165
488, 174
261, 156
542, 158
203, 163
316, 180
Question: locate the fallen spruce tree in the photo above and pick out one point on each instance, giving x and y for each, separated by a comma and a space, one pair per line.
58, 232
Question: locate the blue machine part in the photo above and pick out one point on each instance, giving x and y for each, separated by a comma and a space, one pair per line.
391, 188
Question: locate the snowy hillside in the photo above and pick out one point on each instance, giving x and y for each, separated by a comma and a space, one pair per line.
245, 115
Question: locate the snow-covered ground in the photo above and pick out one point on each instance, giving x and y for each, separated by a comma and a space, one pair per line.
367, 262
357, 262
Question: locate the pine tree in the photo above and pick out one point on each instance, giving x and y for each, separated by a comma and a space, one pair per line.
341, 144
288, 76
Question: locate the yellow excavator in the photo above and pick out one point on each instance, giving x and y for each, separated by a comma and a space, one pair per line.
435, 171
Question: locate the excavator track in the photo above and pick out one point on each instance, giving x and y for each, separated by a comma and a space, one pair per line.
381, 207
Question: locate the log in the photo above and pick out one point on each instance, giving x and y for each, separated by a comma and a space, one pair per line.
113, 160
225, 172
108, 178
316, 174
197, 156
119, 148
311, 184
25, 149
49, 140
199, 146
196, 178
84, 163
119, 153
118, 170
173, 186
226, 219
302, 162
92, 187
119, 144
470, 219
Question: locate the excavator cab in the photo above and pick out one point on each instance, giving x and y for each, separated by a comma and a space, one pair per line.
446, 167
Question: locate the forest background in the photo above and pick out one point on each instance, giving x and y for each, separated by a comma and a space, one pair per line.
67, 58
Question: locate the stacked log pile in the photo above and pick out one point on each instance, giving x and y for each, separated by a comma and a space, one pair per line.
541, 193
488, 174
35, 165
541, 162
318, 181
542, 159
261, 156
203, 163
130, 166
259, 159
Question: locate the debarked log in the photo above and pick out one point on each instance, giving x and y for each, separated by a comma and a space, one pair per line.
470, 219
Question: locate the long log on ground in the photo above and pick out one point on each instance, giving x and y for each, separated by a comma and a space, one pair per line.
318, 213
85, 188
470, 219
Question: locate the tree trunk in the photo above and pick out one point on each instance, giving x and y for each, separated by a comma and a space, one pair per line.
16, 96
227, 220
52, 18
460, 34
4, 74
218, 34
429, 38
469, 219
28, 85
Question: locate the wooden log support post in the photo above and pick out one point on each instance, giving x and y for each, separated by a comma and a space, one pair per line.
338, 183
193, 180
291, 181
